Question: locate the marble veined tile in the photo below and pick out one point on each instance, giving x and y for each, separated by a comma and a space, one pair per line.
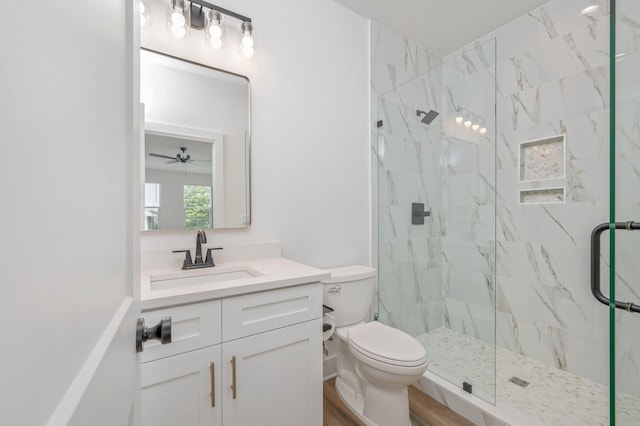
471, 59
560, 264
415, 319
628, 127
570, 54
469, 286
558, 306
547, 223
520, 110
560, 17
414, 256
581, 93
518, 36
396, 59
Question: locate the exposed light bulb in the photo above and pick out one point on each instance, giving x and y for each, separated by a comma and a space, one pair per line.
178, 31
459, 119
247, 51
177, 19
467, 123
247, 41
475, 126
482, 130
215, 31
215, 43
589, 9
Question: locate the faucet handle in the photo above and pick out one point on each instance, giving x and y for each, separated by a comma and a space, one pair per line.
187, 258
209, 258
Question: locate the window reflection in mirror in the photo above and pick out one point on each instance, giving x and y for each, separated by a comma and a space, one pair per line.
196, 153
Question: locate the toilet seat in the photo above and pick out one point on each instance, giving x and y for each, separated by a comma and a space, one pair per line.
386, 345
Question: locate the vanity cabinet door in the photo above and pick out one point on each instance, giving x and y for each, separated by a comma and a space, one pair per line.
193, 327
278, 377
177, 390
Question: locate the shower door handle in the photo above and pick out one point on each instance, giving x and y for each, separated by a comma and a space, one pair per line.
595, 263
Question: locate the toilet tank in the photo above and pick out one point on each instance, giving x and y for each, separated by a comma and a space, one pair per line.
348, 292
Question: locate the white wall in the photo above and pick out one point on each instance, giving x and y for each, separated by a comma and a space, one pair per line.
66, 256
310, 123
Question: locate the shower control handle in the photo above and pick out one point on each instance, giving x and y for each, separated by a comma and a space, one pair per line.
335, 289
418, 213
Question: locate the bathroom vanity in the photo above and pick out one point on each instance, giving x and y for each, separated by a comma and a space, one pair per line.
246, 345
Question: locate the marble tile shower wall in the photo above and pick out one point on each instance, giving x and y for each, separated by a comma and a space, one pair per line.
552, 79
405, 168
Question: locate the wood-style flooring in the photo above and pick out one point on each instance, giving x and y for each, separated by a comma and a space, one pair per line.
425, 411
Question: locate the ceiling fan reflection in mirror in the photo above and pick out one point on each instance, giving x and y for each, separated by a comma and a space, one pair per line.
181, 157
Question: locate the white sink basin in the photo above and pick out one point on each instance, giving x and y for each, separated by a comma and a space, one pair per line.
202, 277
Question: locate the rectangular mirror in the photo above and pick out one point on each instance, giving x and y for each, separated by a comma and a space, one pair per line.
197, 145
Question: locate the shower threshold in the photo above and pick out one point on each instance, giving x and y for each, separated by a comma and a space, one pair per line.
552, 397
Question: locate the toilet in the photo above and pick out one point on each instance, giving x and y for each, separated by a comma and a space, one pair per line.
376, 363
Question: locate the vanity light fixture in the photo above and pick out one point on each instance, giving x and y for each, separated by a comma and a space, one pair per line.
214, 29
467, 123
200, 14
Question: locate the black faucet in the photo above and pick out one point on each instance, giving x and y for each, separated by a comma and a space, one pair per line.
201, 238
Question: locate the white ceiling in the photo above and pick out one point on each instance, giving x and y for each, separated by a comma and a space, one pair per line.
442, 26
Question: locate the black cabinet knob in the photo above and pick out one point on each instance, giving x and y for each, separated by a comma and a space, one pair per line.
161, 332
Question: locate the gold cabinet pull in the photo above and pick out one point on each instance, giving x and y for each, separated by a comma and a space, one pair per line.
234, 387
212, 372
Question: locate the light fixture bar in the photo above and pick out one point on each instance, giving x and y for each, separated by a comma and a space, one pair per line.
222, 10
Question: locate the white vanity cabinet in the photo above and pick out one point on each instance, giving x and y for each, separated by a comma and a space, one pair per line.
252, 359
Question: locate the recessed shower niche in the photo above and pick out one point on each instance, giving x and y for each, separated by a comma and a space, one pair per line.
542, 159
542, 171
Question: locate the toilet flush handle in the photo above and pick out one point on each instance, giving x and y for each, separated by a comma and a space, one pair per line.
335, 289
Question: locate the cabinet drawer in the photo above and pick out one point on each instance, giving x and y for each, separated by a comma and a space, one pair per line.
259, 312
192, 327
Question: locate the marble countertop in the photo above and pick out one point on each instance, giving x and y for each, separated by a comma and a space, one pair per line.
273, 273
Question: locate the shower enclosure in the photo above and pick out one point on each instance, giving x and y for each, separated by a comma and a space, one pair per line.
437, 278
536, 143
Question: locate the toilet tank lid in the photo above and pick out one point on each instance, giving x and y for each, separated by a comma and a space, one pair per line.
349, 273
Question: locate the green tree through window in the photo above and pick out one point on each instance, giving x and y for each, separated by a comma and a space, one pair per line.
197, 207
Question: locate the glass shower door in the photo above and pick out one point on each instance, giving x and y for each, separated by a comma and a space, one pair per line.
624, 275
436, 216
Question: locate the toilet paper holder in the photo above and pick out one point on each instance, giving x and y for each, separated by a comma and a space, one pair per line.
328, 323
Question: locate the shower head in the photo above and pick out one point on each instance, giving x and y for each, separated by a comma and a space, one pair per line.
428, 116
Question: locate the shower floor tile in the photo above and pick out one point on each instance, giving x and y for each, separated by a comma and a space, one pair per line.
553, 396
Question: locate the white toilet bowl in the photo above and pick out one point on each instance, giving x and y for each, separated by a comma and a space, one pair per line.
376, 363
388, 361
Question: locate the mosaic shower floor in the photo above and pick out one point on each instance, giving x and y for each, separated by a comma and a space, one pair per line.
553, 397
